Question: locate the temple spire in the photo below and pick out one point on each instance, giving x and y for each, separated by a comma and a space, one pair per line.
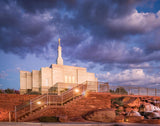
59, 58
59, 40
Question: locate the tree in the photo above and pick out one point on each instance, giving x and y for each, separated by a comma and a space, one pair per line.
121, 90
1, 91
111, 91
9, 91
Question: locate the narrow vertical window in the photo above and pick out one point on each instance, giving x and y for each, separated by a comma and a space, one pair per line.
65, 79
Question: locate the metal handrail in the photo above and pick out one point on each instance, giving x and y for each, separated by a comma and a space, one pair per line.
21, 106
64, 97
37, 97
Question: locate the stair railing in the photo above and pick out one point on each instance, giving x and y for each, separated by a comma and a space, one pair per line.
73, 92
30, 106
47, 100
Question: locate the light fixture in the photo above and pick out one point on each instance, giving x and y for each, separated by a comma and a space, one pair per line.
39, 102
76, 90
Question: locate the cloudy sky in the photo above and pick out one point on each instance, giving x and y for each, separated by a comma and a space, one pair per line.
118, 40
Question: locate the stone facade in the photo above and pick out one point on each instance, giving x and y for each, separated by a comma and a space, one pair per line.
57, 75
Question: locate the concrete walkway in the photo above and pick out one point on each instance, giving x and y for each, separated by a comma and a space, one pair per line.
73, 124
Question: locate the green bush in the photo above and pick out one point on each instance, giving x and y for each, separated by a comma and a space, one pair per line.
121, 90
49, 119
9, 91
112, 91
117, 101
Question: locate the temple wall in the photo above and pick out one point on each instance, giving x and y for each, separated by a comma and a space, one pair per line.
46, 79
57, 74
25, 81
70, 75
91, 77
29, 80
81, 76
36, 80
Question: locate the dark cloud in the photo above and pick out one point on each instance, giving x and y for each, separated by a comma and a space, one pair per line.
23, 33
34, 6
99, 31
153, 42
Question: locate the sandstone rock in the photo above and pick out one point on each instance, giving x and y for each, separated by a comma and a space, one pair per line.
102, 115
131, 101
152, 115
133, 113
150, 108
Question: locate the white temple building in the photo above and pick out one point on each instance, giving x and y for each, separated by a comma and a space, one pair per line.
57, 75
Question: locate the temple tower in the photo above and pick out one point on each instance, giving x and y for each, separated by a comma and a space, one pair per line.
57, 75
59, 58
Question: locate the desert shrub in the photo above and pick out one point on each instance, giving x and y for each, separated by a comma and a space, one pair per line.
49, 119
111, 91
117, 101
9, 91
121, 90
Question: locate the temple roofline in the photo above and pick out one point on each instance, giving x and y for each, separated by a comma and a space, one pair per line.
55, 65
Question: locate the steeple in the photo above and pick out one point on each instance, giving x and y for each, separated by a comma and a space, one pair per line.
59, 41
59, 58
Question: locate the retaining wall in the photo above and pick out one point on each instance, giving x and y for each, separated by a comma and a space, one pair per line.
8, 103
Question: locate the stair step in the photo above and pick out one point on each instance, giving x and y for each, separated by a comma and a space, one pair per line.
72, 104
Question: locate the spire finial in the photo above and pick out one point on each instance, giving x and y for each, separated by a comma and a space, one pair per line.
59, 41
59, 58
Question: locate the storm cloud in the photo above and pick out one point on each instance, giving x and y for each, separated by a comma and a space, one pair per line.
102, 31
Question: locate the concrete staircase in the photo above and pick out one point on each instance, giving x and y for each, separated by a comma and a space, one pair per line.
68, 106
44, 111
72, 110
50, 110
42, 103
